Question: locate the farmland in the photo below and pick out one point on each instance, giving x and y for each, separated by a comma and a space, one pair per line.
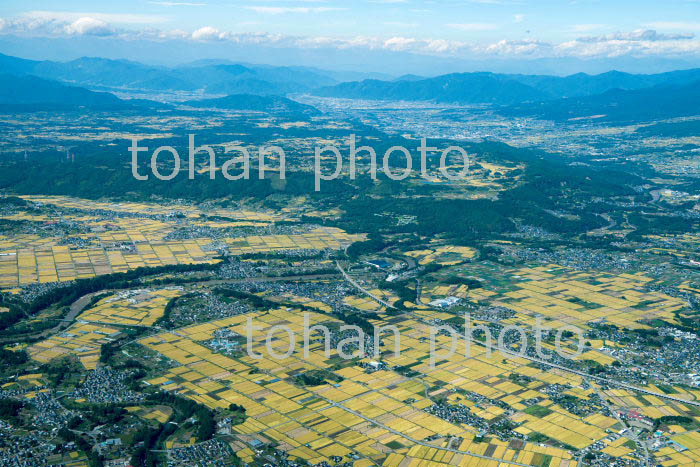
542, 311
389, 405
118, 244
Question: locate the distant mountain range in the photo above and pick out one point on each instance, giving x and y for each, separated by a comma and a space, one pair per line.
30, 93
359, 59
649, 104
504, 89
270, 104
208, 76
27, 93
465, 88
581, 84
612, 96
225, 77
29, 85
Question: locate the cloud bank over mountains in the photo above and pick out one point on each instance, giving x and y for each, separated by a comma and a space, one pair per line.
651, 41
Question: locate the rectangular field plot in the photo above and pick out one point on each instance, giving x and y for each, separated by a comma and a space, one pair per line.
102, 324
372, 414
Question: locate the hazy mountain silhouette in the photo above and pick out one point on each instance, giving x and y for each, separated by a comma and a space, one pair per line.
659, 102
211, 76
271, 104
31, 93
465, 88
473, 88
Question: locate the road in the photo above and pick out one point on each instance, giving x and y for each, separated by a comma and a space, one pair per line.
370, 420
362, 289
620, 384
631, 387
631, 434
420, 442
79, 305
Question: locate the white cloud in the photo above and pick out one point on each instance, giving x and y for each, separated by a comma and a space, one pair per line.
169, 35
640, 42
519, 18
400, 43
474, 26
640, 35
511, 48
635, 43
88, 26
208, 33
441, 46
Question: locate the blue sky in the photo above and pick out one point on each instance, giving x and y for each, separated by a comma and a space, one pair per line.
555, 20
449, 28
